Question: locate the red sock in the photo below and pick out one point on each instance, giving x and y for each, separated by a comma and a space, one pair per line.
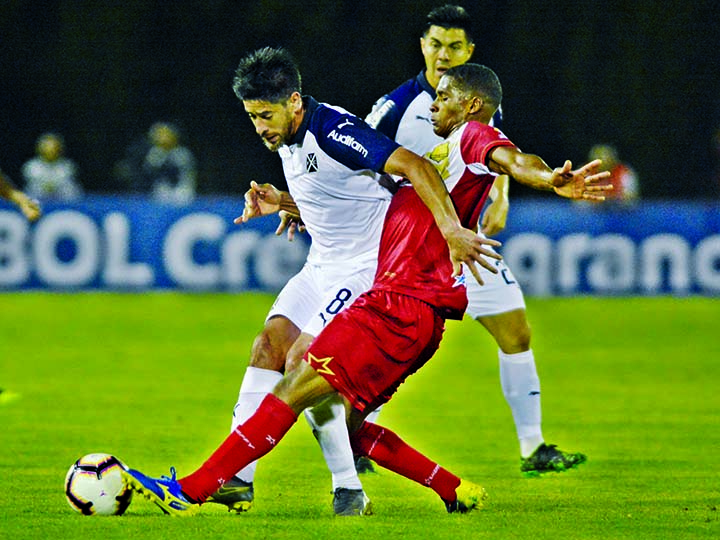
249, 441
389, 451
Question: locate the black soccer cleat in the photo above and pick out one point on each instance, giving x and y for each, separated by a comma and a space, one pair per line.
363, 465
236, 494
547, 458
351, 502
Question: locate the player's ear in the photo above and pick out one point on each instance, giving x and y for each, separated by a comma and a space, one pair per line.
475, 105
296, 101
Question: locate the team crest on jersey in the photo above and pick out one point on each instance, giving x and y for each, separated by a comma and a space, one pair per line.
311, 163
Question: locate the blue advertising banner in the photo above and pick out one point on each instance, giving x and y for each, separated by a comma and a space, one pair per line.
553, 247
134, 244
649, 248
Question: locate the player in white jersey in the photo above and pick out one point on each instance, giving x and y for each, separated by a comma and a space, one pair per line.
498, 304
331, 160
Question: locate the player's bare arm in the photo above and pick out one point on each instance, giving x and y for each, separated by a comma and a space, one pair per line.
495, 216
29, 207
531, 170
465, 246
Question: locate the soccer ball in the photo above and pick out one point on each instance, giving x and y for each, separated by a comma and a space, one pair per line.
94, 486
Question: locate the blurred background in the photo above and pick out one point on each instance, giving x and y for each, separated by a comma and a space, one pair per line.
643, 76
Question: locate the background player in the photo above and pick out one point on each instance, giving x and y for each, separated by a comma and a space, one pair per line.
31, 210
498, 304
29, 207
400, 320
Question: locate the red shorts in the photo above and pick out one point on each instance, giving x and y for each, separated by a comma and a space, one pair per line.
371, 347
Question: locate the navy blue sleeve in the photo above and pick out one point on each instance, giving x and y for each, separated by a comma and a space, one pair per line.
385, 116
350, 141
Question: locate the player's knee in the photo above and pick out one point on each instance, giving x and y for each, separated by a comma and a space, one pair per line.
302, 388
516, 339
297, 351
265, 353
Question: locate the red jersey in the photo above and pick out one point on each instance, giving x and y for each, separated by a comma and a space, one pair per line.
414, 258
624, 182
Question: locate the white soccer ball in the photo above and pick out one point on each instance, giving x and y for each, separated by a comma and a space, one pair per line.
94, 486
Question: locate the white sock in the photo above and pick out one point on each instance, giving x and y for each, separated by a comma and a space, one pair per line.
257, 383
373, 416
521, 388
328, 423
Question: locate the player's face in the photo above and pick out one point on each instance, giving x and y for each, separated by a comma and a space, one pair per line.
448, 110
276, 123
444, 48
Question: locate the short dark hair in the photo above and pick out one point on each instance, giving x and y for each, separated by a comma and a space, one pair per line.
450, 16
477, 79
267, 74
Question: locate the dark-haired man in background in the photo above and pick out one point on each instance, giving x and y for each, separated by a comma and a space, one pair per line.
498, 304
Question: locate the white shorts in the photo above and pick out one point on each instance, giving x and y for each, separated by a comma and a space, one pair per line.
500, 293
316, 294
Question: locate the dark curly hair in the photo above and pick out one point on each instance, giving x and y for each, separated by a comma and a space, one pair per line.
267, 74
450, 16
477, 79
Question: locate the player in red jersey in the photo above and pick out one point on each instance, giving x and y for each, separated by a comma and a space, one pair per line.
390, 331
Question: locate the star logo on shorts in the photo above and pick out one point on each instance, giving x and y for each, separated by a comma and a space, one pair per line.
311, 164
320, 364
459, 280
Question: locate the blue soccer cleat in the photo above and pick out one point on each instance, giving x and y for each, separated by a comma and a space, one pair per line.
165, 492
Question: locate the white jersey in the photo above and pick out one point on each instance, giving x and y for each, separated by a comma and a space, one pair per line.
51, 180
331, 168
404, 115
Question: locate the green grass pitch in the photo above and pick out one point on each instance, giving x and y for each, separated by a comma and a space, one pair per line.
152, 378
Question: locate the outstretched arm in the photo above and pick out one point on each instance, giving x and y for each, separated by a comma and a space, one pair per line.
29, 207
465, 246
531, 170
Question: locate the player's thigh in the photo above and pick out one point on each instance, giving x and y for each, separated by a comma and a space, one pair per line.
342, 286
298, 299
302, 388
368, 350
291, 310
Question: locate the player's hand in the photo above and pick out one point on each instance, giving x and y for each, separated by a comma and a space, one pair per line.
467, 247
495, 217
584, 183
292, 223
260, 200
29, 207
